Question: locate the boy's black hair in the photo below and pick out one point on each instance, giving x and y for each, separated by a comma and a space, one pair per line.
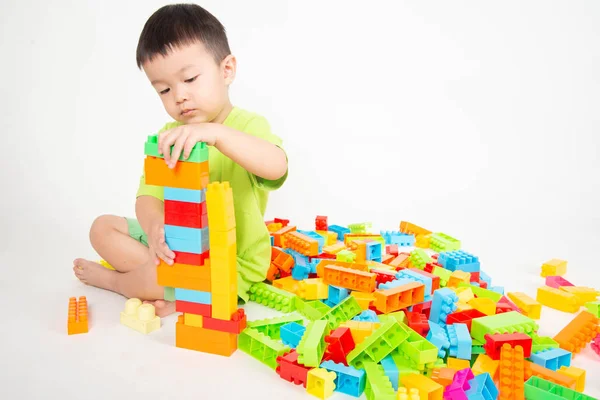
179, 24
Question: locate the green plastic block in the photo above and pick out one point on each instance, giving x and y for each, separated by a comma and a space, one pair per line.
476, 350
378, 385
261, 347
345, 256
540, 389
508, 322
198, 154
360, 227
379, 344
272, 297
419, 350
481, 292
593, 307
540, 343
342, 312
169, 293
419, 258
399, 316
312, 310
312, 345
271, 326
444, 275
442, 242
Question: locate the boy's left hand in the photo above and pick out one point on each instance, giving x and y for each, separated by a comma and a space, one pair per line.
184, 138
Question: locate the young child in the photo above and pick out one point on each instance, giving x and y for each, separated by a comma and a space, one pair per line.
184, 51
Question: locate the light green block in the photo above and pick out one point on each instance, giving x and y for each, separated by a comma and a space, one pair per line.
379, 344
198, 154
342, 312
444, 275
312, 345
271, 326
378, 385
508, 322
312, 310
442, 242
593, 307
272, 297
261, 347
481, 292
169, 293
419, 258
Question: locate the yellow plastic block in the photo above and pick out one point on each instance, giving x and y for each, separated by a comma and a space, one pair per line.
379, 266
320, 382
554, 267
483, 304
582, 293
485, 363
360, 330
224, 305
223, 273
464, 294
364, 299
219, 207
312, 289
528, 305
423, 241
460, 306
334, 248
330, 237
288, 284
428, 388
577, 373
106, 265
192, 320
405, 394
457, 277
140, 317
557, 299
221, 238
274, 227
457, 363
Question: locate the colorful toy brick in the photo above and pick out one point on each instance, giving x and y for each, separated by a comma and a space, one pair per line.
583, 294
301, 243
594, 308
312, 310
398, 238
441, 242
360, 330
578, 333
289, 369
204, 340
279, 236
482, 292
541, 389
417, 349
261, 347
339, 343
552, 358
459, 277
364, 300
348, 278
185, 175
443, 303
312, 289
428, 388
291, 334
419, 258
443, 376
458, 259
348, 380
509, 322
512, 372
272, 297
439, 338
77, 320
595, 345
533, 369
344, 311
405, 394
140, 317
482, 388
312, 345
378, 386
320, 383
464, 317
400, 297
424, 278
554, 267
272, 326
193, 308
337, 294
198, 154
557, 281
485, 305
485, 364
528, 305
381, 343
460, 383
494, 342
460, 341
574, 372
186, 195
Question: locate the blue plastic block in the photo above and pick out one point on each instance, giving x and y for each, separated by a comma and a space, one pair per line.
459, 260
417, 277
460, 341
552, 358
291, 333
272, 241
300, 272
187, 195
486, 278
340, 230
348, 380
374, 250
189, 240
497, 289
313, 265
395, 283
443, 303
482, 388
439, 338
337, 294
398, 238
391, 370
367, 316
299, 259
314, 235
194, 296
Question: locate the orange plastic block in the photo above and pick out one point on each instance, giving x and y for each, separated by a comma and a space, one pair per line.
578, 333
301, 243
483, 304
443, 376
278, 237
288, 284
325, 262
428, 388
399, 297
360, 330
554, 267
549, 375
457, 363
401, 262
410, 228
359, 247
330, 237
185, 175
280, 261
511, 382
192, 277
457, 277
350, 237
387, 258
77, 321
364, 299
349, 278
574, 372
204, 340
485, 363
557, 299
582, 293
334, 248
312, 289
528, 305
274, 227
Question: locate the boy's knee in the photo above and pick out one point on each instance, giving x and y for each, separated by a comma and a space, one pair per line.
102, 225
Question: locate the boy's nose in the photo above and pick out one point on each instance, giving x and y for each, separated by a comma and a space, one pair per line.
181, 96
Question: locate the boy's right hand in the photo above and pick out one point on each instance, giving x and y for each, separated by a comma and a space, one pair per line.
157, 245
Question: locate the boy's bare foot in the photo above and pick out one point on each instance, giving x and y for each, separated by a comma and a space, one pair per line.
94, 274
163, 307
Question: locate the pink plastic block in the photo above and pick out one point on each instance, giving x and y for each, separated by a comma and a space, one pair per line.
557, 281
460, 383
596, 345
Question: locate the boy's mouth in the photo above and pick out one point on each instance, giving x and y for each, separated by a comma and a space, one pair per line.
188, 111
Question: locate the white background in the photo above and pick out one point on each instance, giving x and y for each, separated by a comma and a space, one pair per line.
474, 118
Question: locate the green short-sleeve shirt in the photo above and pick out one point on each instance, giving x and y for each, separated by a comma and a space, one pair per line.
250, 197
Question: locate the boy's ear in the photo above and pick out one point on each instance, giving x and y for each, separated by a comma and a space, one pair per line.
229, 66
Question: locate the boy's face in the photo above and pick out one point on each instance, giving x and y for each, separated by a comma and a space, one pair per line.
191, 85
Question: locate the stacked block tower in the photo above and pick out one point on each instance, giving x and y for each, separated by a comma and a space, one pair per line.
200, 230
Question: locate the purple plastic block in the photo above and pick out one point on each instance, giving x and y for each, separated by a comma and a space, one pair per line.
557, 281
460, 383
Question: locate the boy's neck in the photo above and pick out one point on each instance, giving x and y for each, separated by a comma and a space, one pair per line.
223, 114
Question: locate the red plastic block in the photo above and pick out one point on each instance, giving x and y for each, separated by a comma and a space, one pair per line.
383, 276
505, 305
474, 277
596, 345
435, 280
188, 221
557, 281
392, 249
283, 222
182, 257
339, 344
464, 317
323, 256
290, 370
321, 223
429, 267
482, 284
193, 308
236, 324
185, 207
493, 343
418, 322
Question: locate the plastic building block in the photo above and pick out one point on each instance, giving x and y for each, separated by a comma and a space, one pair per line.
349, 380
441, 242
485, 305
204, 340
339, 343
320, 382
378, 386
594, 308
439, 338
360, 330
415, 276
574, 372
140, 317
493, 343
321, 223
460, 384
482, 292
443, 303
405, 394
417, 322
185, 175
400, 261
193, 320
379, 344
578, 333
279, 236
273, 327
367, 316
314, 235
458, 259
77, 320
419, 258
557, 281
348, 278
400, 297
301, 243
464, 317
198, 154
347, 256
595, 345
541, 389
398, 238
261, 347
509, 322
552, 358
485, 364
410, 228
193, 296
299, 272
540, 343
459, 277
391, 370
184, 276
554, 267
174, 214
288, 284
482, 388
457, 363
428, 388
272, 297
313, 310
583, 294
512, 372
312, 345
533, 369
187, 195
280, 261
289, 369
188, 240
363, 299
340, 230
460, 341
181, 257
382, 277
530, 307
193, 308
337, 294
443, 376
312, 289
344, 311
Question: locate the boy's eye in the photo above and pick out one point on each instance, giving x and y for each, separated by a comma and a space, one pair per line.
165, 91
191, 79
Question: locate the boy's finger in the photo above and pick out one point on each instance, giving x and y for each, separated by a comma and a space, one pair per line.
177, 150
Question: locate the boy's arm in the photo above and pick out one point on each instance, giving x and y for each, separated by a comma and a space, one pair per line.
149, 212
